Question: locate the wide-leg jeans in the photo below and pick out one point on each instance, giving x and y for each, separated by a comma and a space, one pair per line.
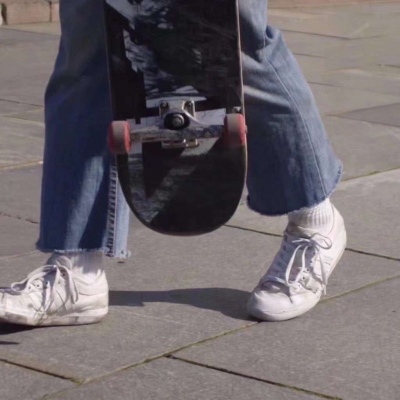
291, 161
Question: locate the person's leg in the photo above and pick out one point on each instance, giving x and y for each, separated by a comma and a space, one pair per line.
82, 208
292, 170
83, 212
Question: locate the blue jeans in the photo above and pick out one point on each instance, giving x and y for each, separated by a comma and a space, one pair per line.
291, 161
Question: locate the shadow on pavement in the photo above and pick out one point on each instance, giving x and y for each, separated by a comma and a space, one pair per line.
230, 302
9, 329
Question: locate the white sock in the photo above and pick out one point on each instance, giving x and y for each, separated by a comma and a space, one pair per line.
89, 264
318, 218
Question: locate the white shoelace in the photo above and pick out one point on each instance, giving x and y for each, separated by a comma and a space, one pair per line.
49, 285
304, 244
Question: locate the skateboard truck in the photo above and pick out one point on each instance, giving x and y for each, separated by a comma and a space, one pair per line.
177, 115
176, 128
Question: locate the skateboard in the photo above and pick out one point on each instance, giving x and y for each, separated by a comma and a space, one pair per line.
178, 130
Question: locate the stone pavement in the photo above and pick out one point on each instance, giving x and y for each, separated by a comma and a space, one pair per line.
177, 327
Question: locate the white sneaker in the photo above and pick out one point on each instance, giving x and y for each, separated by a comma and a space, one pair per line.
299, 273
55, 295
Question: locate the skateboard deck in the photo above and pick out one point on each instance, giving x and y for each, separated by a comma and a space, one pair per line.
179, 133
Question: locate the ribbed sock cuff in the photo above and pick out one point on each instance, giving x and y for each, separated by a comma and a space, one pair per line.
317, 217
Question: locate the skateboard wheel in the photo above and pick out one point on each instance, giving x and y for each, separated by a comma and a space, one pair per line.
119, 137
235, 130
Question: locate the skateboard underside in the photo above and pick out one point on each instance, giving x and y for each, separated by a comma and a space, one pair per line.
175, 80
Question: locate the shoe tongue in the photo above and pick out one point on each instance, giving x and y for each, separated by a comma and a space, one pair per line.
299, 231
275, 287
58, 259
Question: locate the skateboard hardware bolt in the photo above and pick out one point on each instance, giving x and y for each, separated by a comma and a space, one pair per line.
178, 121
189, 106
175, 121
163, 105
237, 110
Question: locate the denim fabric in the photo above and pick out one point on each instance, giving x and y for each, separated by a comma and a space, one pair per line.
82, 206
291, 161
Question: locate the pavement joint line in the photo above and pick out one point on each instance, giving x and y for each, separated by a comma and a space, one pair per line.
14, 117
230, 372
2, 258
275, 235
48, 396
339, 115
326, 72
365, 253
33, 31
373, 173
368, 286
325, 35
170, 354
12, 114
16, 364
85, 381
3, 214
20, 102
21, 166
311, 56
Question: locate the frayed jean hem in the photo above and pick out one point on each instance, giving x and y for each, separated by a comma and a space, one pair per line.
280, 213
122, 254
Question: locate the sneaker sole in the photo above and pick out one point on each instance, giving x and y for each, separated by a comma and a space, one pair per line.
83, 318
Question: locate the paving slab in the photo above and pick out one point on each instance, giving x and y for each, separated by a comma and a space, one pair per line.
36, 115
34, 55
173, 307
311, 4
370, 208
12, 107
171, 379
373, 51
20, 142
343, 53
345, 26
386, 115
19, 127
375, 78
221, 270
22, 197
387, 8
229, 258
367, 205
335, 100
121, 340
49, 28
183, 291
347, 347
316, 68
349, 53
146, 292
22, 384
363, 147
309, 44
11, 36
16, 267
17, 236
